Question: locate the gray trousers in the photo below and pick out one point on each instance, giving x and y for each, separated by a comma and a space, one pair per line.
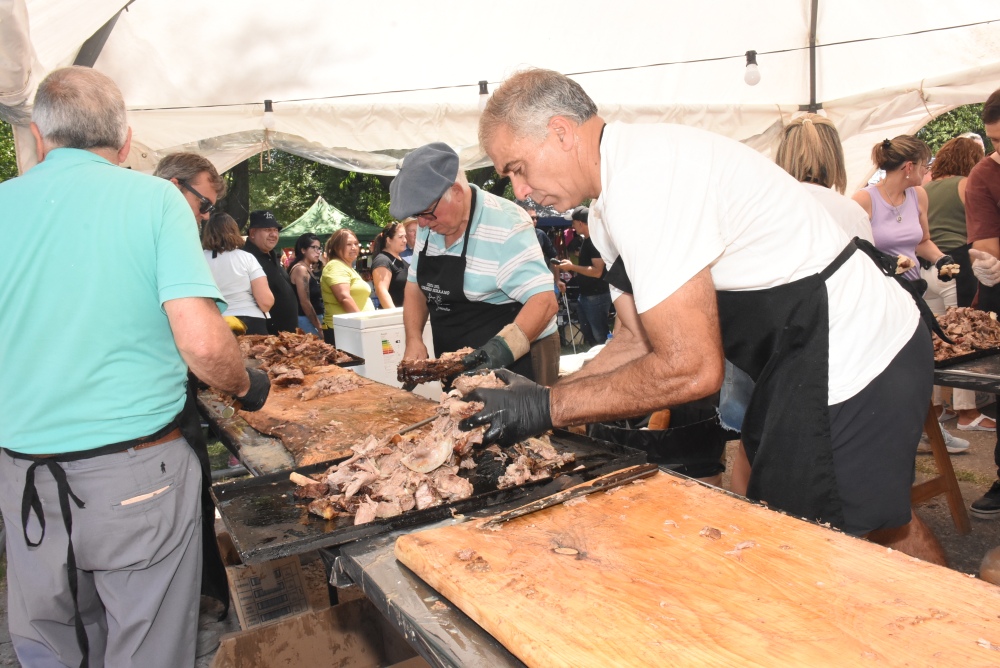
138, 553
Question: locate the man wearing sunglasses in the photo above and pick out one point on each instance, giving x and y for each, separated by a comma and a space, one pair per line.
477, 270
197, 179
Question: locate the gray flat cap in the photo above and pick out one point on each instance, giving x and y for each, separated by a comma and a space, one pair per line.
426, 174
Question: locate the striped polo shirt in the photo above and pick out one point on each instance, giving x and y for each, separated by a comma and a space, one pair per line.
504, 263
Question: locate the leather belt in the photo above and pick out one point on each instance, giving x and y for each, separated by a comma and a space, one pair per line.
171, 436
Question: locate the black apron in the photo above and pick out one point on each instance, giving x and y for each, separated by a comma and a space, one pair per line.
456, 321
214, 581
780, 337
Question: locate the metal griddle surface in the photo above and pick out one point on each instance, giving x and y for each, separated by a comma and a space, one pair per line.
266, 522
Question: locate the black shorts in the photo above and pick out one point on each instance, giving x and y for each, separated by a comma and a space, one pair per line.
875, 435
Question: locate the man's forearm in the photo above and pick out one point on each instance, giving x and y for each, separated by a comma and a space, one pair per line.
623, 348
536, 314
684, 361
991, 246
206, 344
414, 312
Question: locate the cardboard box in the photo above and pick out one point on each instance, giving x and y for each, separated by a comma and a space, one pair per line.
263, 593
349, 635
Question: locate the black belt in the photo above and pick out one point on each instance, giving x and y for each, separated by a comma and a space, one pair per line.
30, 502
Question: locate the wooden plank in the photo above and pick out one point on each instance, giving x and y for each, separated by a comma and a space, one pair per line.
648, 584
326, 427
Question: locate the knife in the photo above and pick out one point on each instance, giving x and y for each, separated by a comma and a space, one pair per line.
602, 483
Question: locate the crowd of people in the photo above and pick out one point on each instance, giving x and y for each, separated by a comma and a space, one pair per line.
759, 278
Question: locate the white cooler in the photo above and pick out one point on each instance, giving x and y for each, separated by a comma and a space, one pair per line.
378, 337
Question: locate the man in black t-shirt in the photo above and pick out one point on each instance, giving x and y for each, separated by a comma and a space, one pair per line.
594, 302
262, 237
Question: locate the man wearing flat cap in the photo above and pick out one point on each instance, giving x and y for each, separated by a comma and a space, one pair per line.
477, 269
262, 237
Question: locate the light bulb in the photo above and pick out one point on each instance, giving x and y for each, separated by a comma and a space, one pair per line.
484, 94
268, 119
752, 74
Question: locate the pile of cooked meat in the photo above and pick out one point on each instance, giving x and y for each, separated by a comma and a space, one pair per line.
970, 329
448, 365
392, 475
288, 356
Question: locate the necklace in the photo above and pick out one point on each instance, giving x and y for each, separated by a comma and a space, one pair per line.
895, 209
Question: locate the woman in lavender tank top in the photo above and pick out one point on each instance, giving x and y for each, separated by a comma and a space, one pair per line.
897, 206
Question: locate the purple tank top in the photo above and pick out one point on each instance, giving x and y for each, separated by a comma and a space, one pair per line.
897, 237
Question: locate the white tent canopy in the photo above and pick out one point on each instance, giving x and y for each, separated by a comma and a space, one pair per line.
357, 85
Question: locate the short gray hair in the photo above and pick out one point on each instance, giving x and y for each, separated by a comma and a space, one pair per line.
527, 101
77, 107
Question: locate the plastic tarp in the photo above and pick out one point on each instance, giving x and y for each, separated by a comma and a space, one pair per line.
323, 219
357, 85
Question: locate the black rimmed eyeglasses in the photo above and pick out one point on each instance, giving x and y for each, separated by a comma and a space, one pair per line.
206, 204
429, 214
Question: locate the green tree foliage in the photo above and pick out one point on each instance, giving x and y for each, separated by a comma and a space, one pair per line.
946, 126
287, 185
8, 161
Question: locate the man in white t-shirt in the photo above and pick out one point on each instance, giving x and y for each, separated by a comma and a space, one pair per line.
715, 251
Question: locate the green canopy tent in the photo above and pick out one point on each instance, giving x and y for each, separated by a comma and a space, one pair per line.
323, 220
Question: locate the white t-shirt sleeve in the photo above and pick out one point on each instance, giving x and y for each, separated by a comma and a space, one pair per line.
252, 266
668, 226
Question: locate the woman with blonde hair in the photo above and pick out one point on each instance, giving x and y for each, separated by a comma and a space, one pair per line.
811, 151
238, 274
343, 288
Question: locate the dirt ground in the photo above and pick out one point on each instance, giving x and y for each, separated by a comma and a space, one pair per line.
974, 469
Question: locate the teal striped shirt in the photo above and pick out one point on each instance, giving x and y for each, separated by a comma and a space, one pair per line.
504, 263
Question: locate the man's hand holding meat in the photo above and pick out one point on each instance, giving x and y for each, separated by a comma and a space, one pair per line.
501, 351
517, 412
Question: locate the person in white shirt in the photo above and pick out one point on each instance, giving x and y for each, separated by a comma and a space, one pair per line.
238, 274
718, 252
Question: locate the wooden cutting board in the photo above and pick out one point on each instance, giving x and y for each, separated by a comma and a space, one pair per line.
652, 574
326, 427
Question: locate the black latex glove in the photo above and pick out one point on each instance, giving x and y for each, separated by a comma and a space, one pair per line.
495, 354
260, 387
517, 412
942, 261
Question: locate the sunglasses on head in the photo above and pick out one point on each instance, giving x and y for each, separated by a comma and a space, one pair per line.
206, 204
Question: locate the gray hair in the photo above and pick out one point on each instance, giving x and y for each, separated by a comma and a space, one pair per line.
187, 167
77, 107
527, 101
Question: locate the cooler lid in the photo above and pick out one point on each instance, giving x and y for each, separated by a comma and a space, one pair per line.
390, 317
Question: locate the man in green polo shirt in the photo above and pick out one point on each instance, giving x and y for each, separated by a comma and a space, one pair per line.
98, 489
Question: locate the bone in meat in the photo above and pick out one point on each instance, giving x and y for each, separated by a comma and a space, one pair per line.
444, 367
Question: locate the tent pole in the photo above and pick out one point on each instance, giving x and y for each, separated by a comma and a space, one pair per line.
813, 107
92, 48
